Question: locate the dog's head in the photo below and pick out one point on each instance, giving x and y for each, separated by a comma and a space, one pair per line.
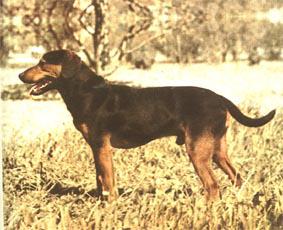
53, 66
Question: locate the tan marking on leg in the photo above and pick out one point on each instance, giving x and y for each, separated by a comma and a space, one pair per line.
83, 128
222, 160
104, 167
200, 153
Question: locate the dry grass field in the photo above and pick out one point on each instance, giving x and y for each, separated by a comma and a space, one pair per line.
49, 175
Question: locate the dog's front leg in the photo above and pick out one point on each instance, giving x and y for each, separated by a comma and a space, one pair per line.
104, 167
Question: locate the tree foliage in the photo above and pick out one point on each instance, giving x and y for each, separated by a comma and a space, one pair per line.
109, 33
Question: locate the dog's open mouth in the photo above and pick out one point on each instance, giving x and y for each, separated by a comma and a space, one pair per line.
41, 87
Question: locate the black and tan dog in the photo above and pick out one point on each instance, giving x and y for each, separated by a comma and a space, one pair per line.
119, 116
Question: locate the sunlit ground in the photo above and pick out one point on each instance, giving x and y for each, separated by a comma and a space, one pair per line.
274, 15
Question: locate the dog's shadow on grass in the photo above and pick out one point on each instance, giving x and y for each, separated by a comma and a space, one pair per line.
58, 189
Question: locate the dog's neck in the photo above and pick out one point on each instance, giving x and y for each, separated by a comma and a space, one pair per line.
74, 89
85, 74
84, 77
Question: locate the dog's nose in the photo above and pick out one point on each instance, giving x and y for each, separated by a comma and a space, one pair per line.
21, 76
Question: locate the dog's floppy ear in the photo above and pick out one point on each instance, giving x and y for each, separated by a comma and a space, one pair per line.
71, 65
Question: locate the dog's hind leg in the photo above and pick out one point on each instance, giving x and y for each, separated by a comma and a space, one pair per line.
220, 157
200, 150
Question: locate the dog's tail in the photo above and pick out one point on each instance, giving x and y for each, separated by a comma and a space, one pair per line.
245, 120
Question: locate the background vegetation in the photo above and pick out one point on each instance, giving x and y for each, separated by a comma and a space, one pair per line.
107, 33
